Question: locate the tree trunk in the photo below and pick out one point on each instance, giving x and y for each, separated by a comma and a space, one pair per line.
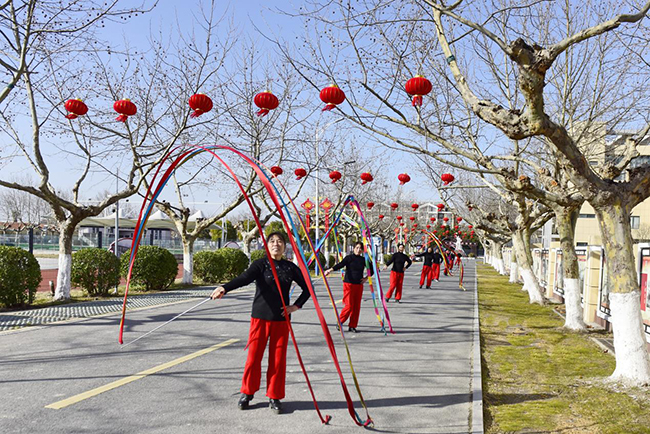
188, 260
530, 281
632, 362
66, 232
498, 262
566, 223
513, 263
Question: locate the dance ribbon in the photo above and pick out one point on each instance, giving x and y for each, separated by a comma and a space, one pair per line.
182, 158
437, 241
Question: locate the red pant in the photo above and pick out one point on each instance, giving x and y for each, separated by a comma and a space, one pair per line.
396, 281
352, 303
426, 273
435, 272
277, 332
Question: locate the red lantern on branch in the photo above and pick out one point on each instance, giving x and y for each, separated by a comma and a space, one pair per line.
412, 218
417, 87
75, 107
471, 227
300, 173
125, 108
401, 224
428, 226
456, 227
433, 219
332, 96
441, 206
394, 206
415, 225
370, 205
200, 103
459, 219
403, 178
447, 178
366, 177
399, 218
266, 102
446, 219
381, 216
277, 170
335, 176
415, 206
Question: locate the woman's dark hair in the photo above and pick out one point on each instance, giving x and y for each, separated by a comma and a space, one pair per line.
400, 245
358, 243
279, 235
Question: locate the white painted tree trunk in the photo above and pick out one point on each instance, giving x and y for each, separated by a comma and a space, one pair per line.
500, 266
188, 261
62, 291
530, 281
632, 362
521, 273
572, 292
513, 272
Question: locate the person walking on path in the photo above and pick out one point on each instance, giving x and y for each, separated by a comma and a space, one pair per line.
355, 264
399, 261
435, 265
426, 268
268, 321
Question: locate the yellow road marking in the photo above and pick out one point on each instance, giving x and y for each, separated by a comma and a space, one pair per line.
115, 384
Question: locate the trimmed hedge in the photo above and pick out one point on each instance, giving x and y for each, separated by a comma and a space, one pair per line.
95, 271
387, 257
332, 261
235, 262
220, 265
258, 254
154, 269
321, 258
20, 276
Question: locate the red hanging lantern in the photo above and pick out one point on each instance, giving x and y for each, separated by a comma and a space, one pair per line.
415, 225
125, 108
433, 219
399, 217
471, 227
406, 230
277, 170
300, 173
456, 227
200, 103
470, 208
401, 224
76, 107
394, 206
428, 226
415, 206
441, 206
417, 87
307, 205
459, 219
266, 102
366, 177
403, 178
370, 205
332, 96
381, 216
447, 178
446, 219
412, 218
435, 231
335, 176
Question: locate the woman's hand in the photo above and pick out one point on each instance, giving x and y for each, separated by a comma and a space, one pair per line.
291, 309
327, 272
218, 292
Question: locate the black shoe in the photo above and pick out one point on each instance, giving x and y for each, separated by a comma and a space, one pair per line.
428, 287
352, 329
399, 301
244, 400
275, 405
387, 300
338, 328
421, 287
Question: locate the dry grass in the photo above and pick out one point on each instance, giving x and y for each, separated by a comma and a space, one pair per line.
538, 378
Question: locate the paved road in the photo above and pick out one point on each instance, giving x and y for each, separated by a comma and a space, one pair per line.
416, 381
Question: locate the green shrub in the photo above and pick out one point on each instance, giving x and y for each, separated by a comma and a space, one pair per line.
235, 262
387, 257
95, 270
471, 255
209, 267
332, 260
155, 268
321, 258
20, 276
258, 254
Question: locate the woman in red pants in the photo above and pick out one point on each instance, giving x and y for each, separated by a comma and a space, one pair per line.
400, 263
268, 322
426, 274
355, 264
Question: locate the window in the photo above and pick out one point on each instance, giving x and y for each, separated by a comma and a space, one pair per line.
587, 216
582, 244
635, 221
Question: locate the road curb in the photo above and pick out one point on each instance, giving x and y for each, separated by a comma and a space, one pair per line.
476, 425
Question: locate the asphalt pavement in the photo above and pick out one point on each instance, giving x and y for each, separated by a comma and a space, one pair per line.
74, 377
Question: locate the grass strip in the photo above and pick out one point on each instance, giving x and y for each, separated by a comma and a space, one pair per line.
538, 378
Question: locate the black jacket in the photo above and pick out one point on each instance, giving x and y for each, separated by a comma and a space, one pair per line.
428, 257
267, 303
437, 258
398, 260
354, 266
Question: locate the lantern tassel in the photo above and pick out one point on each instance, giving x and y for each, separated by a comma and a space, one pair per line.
121, 118
262, 113
329, 107
71, 116
417, 101
363, 182
196, 113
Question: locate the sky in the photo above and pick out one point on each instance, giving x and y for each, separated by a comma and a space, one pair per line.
250, 17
